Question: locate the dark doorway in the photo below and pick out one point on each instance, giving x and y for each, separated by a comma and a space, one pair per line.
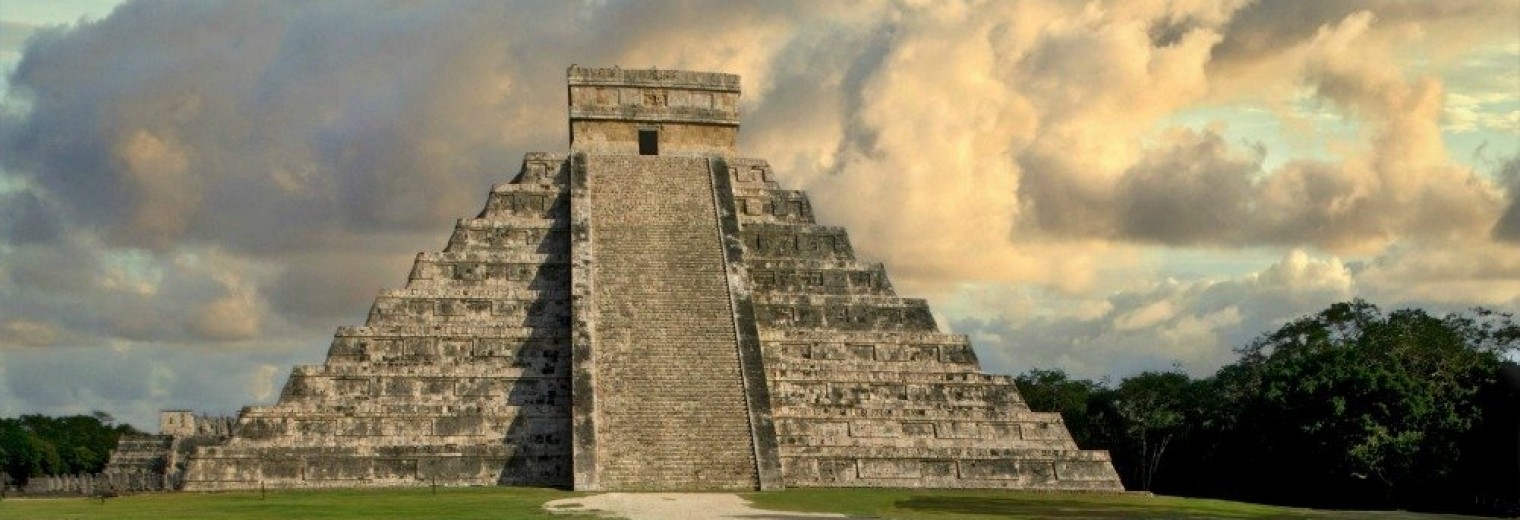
649, 142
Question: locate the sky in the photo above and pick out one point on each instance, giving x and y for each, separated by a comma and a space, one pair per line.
195, 194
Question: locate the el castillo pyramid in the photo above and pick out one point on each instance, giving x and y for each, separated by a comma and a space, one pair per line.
648, 311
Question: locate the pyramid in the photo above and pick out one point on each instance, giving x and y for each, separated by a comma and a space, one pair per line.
648, 311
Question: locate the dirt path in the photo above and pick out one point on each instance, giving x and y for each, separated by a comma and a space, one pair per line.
667, 506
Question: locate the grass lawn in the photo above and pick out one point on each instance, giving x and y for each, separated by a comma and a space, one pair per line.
471, 502
526, 503
979, 504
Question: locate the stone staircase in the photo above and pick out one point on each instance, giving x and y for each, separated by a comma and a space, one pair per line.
671, 410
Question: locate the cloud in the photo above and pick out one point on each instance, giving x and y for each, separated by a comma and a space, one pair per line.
97, 296
1508, 226
27, 333
216, 177
25, 218
326, 287
1258, 33
1194, 188
1191, 324
13, 37
134, 383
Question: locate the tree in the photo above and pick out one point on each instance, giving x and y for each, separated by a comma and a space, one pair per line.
1074, 399
1137, 422
35, 445
1152, 407
26, 454
1353, 406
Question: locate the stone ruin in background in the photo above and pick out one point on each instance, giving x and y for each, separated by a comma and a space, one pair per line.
649, 311
143, 462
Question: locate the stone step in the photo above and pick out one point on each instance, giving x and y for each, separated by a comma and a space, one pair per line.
538, 369
817, 264
542, 169
548, 320
483, 293
853, 313
773, 336
456, 331
144, 442
504, 273
1013, 443
527, 200
749, 172
882, 356
520, 227
887, 376
542, 236
526, 390
509, 188
290, 468
1048, 431
1016, 472
456, 354
811, 241
1012, 413
828, 300
504, 305
931, 366
796, 278
380, 408
495, 257
969, 453
542, 435
764, 205
906, 396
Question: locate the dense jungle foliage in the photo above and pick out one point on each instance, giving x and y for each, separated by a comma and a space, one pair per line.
1352, 407
36, 445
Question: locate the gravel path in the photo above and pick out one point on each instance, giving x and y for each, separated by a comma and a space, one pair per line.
668, 506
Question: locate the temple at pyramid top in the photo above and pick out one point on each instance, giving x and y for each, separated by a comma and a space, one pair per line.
653, 112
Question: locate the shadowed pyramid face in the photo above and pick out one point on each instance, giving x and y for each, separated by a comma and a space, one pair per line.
648, 311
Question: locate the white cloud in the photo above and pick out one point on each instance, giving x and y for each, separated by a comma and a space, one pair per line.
223, 189
1194, 324
1145, 317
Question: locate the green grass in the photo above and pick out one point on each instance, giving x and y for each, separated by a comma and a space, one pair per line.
527, 503
475, 502
985, 504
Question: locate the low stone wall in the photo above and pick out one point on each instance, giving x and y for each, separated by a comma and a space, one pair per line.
86, 484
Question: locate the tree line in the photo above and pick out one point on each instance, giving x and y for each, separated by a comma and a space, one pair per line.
1352, 407
37, 445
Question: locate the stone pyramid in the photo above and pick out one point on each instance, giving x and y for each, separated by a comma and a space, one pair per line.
648, 312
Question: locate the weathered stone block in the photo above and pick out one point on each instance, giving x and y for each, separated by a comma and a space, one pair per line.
891, 468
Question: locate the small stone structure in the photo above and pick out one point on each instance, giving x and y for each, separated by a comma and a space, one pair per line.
158, 462
647, 312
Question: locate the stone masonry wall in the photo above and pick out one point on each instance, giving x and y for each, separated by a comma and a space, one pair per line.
671, 411
460, 378
93, 484
693, 113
